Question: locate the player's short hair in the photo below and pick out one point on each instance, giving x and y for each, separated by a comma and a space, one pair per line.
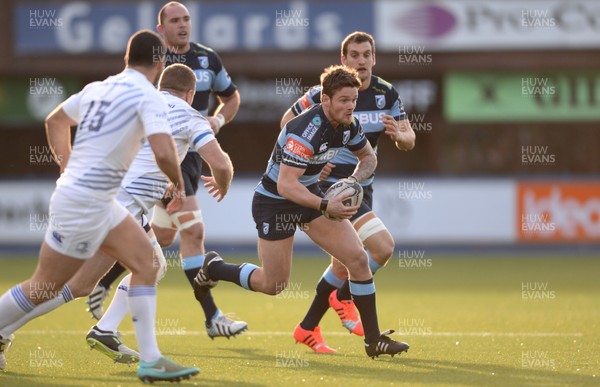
357, 37
143, 49
337, 77
161, 13
177, 77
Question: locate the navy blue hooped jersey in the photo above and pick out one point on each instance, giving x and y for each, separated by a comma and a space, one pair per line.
211, 75
379, 99
309, 141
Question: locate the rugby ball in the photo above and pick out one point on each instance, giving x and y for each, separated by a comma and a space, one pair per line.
342, 187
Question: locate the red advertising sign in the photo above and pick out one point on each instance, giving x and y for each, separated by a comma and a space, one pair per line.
558, 212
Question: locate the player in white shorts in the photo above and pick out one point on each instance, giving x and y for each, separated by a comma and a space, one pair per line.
113, 117
143, 186
212, 82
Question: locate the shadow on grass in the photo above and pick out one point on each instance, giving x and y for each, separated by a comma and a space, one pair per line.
403, 370
12, 379
122, 378
408, 370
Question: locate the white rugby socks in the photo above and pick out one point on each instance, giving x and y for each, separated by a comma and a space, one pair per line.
39, 310
118, 308
13, 305
142, 304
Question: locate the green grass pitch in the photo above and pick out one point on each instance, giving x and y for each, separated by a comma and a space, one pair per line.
479, 321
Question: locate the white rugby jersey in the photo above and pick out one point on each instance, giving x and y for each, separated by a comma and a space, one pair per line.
114, 117
144, 180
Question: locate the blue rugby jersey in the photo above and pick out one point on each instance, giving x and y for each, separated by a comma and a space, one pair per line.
309, 141
211, 75
379, 99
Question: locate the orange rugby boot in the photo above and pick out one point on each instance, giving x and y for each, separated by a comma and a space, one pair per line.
312, 339
348, 314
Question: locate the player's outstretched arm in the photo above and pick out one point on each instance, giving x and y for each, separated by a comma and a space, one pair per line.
367, 162
220, 166
400, 132
225, 112
58, 132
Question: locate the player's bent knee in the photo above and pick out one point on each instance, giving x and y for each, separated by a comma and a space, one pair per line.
144, 265
149, 273
186, 219
162, 219
383, 250
165, 239
194, 232
160, 262
339, 270
357, 263
371, 228
376, 237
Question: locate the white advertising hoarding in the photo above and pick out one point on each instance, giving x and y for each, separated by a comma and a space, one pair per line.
24, 211
406, 26
414, 210
447, 210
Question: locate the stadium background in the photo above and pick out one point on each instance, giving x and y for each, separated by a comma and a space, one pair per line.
496, 212
503, 96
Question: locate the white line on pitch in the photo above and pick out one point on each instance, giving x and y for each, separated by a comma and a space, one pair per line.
167, 332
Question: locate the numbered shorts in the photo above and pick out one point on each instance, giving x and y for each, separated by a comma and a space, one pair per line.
367, 203
78, 225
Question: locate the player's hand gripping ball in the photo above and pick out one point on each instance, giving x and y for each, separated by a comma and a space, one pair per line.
341, 188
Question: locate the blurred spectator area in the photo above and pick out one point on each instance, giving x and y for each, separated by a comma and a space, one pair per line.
453, 139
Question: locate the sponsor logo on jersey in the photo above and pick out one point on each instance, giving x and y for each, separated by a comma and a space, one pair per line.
369, 117
380, 101
305, 102
310, 131
323, 147
298, 149
325, 157
316, 121
202, 76
346, 137
203, 61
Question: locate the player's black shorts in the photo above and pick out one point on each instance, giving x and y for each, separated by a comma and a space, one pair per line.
278, 219
367, 202
191, 169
